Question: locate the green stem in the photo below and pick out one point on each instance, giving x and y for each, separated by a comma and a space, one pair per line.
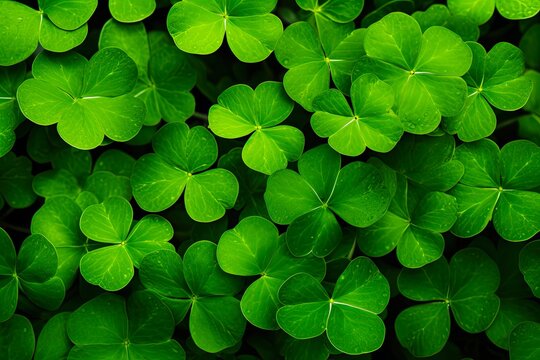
20, 229
201, 116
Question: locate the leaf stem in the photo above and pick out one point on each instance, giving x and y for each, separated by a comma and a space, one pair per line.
20, 229
201, 116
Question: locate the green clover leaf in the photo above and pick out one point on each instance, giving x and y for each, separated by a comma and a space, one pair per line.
310, 62
426, 161
32, 271
108, 327
111, 266
524, 341
254, 248
413, 224
440, 15
10, 115
424, 69
528, 265
53, 341
181, 155
480, 11
88, 99
199, 26
165, 73
215, 321
371, 123
494, 79
129, 11
242, 111
350, 317
58, 220
17, 340
308, 201
16, 181
59, 25
467, 287
498, 185
340, 11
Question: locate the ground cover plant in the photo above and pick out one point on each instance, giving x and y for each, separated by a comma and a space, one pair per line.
269, 179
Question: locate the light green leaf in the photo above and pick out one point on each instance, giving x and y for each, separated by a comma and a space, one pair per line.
518, 9
68, 14
131, 11
480, 11
108, 222
109, 267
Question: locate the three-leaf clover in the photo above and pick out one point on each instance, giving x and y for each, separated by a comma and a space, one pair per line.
165, 73
371, 123
110, 223
494, 79
242, 111
108, 327
310, 61
181, 155
254, 248
498, 184
10, 115
424, 69
88, 99
58, 25
199, 26
215, 321
350, 317
32, 271
427, 161
308, 201
466, 287
529, 266
413, 224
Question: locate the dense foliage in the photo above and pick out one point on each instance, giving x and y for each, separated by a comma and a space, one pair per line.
229, 179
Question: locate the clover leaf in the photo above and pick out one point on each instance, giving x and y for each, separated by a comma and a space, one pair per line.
17, 340
58, 220
350, 317
165, 73
424, 69
111, 267
215, 321
466, 287
88, 99
524, 340
340, 11
498, 185
181, 155
199, 26
528, 265
58, 25
72, 176
108, 327
254, 247
371, 123
528, 45
32, 271
310, 62
16, 181
308, 201
480, 11
413, 224
426, 161
242, 111
439, 15
129, 11
494, 79
10, 115
53, 341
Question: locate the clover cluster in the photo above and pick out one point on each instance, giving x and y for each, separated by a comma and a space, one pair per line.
340, 179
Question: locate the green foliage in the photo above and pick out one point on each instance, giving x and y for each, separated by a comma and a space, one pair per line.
166, 197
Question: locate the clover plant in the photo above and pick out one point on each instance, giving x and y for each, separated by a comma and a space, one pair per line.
269, 179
